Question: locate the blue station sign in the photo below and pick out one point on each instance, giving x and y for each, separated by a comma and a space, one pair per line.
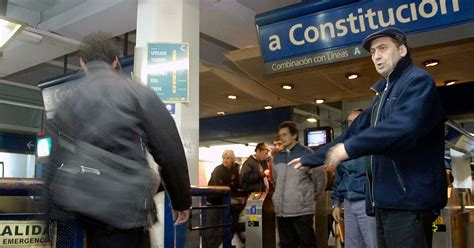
335, 34
17, 143
168, 67
54, 95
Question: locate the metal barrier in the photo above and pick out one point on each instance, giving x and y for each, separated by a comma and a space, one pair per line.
23, 223
205, 225
323, 222
453, 226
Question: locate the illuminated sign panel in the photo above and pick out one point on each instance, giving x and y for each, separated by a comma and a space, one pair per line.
167, 71
335, 34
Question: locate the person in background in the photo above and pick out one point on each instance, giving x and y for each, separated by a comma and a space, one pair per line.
126, 118
274, 150
227, 173
254, 172
403, 133
349, 188
277, 145
295, 191
449, 172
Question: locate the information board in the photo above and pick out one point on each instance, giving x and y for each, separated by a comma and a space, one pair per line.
167, 71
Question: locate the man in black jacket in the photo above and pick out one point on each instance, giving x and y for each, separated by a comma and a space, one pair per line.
254, 172
125, 118
403, 134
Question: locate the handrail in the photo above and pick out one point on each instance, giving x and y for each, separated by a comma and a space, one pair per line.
210, 190
20, 186
215, 191
196, 228
210, 206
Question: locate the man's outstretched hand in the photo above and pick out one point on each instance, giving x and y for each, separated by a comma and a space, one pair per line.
336, 155
296, 163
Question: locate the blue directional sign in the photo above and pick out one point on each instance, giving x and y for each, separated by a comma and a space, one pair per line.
171, 107
335, 34
168, 66
54, 95
17, 143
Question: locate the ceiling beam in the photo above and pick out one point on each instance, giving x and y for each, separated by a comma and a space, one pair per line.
330, 108
61, 64
305, 113
3, 7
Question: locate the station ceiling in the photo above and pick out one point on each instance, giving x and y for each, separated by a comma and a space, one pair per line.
230, 60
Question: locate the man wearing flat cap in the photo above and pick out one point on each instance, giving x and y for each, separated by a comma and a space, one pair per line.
402, 135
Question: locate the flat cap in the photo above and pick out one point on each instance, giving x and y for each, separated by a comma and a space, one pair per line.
392, 32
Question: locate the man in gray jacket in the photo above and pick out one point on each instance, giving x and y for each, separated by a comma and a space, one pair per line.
295, 191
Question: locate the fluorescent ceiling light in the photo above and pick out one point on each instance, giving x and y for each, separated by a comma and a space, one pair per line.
450, 82
9, 28
311, 119
30, 37
431, 63
352, 76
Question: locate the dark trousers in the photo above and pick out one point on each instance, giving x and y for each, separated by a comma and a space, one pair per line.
101, 236
404, 228
296, 232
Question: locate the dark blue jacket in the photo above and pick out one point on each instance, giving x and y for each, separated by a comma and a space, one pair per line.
351, 181
405, 136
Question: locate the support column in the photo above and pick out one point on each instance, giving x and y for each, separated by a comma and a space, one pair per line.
172, 21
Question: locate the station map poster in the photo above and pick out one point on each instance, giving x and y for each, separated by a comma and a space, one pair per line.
167, 71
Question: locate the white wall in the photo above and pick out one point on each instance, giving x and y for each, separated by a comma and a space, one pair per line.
18, 165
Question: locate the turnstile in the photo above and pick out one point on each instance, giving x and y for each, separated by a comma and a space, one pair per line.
452, 229
259, 221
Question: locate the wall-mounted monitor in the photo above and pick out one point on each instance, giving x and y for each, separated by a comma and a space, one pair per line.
316, 137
